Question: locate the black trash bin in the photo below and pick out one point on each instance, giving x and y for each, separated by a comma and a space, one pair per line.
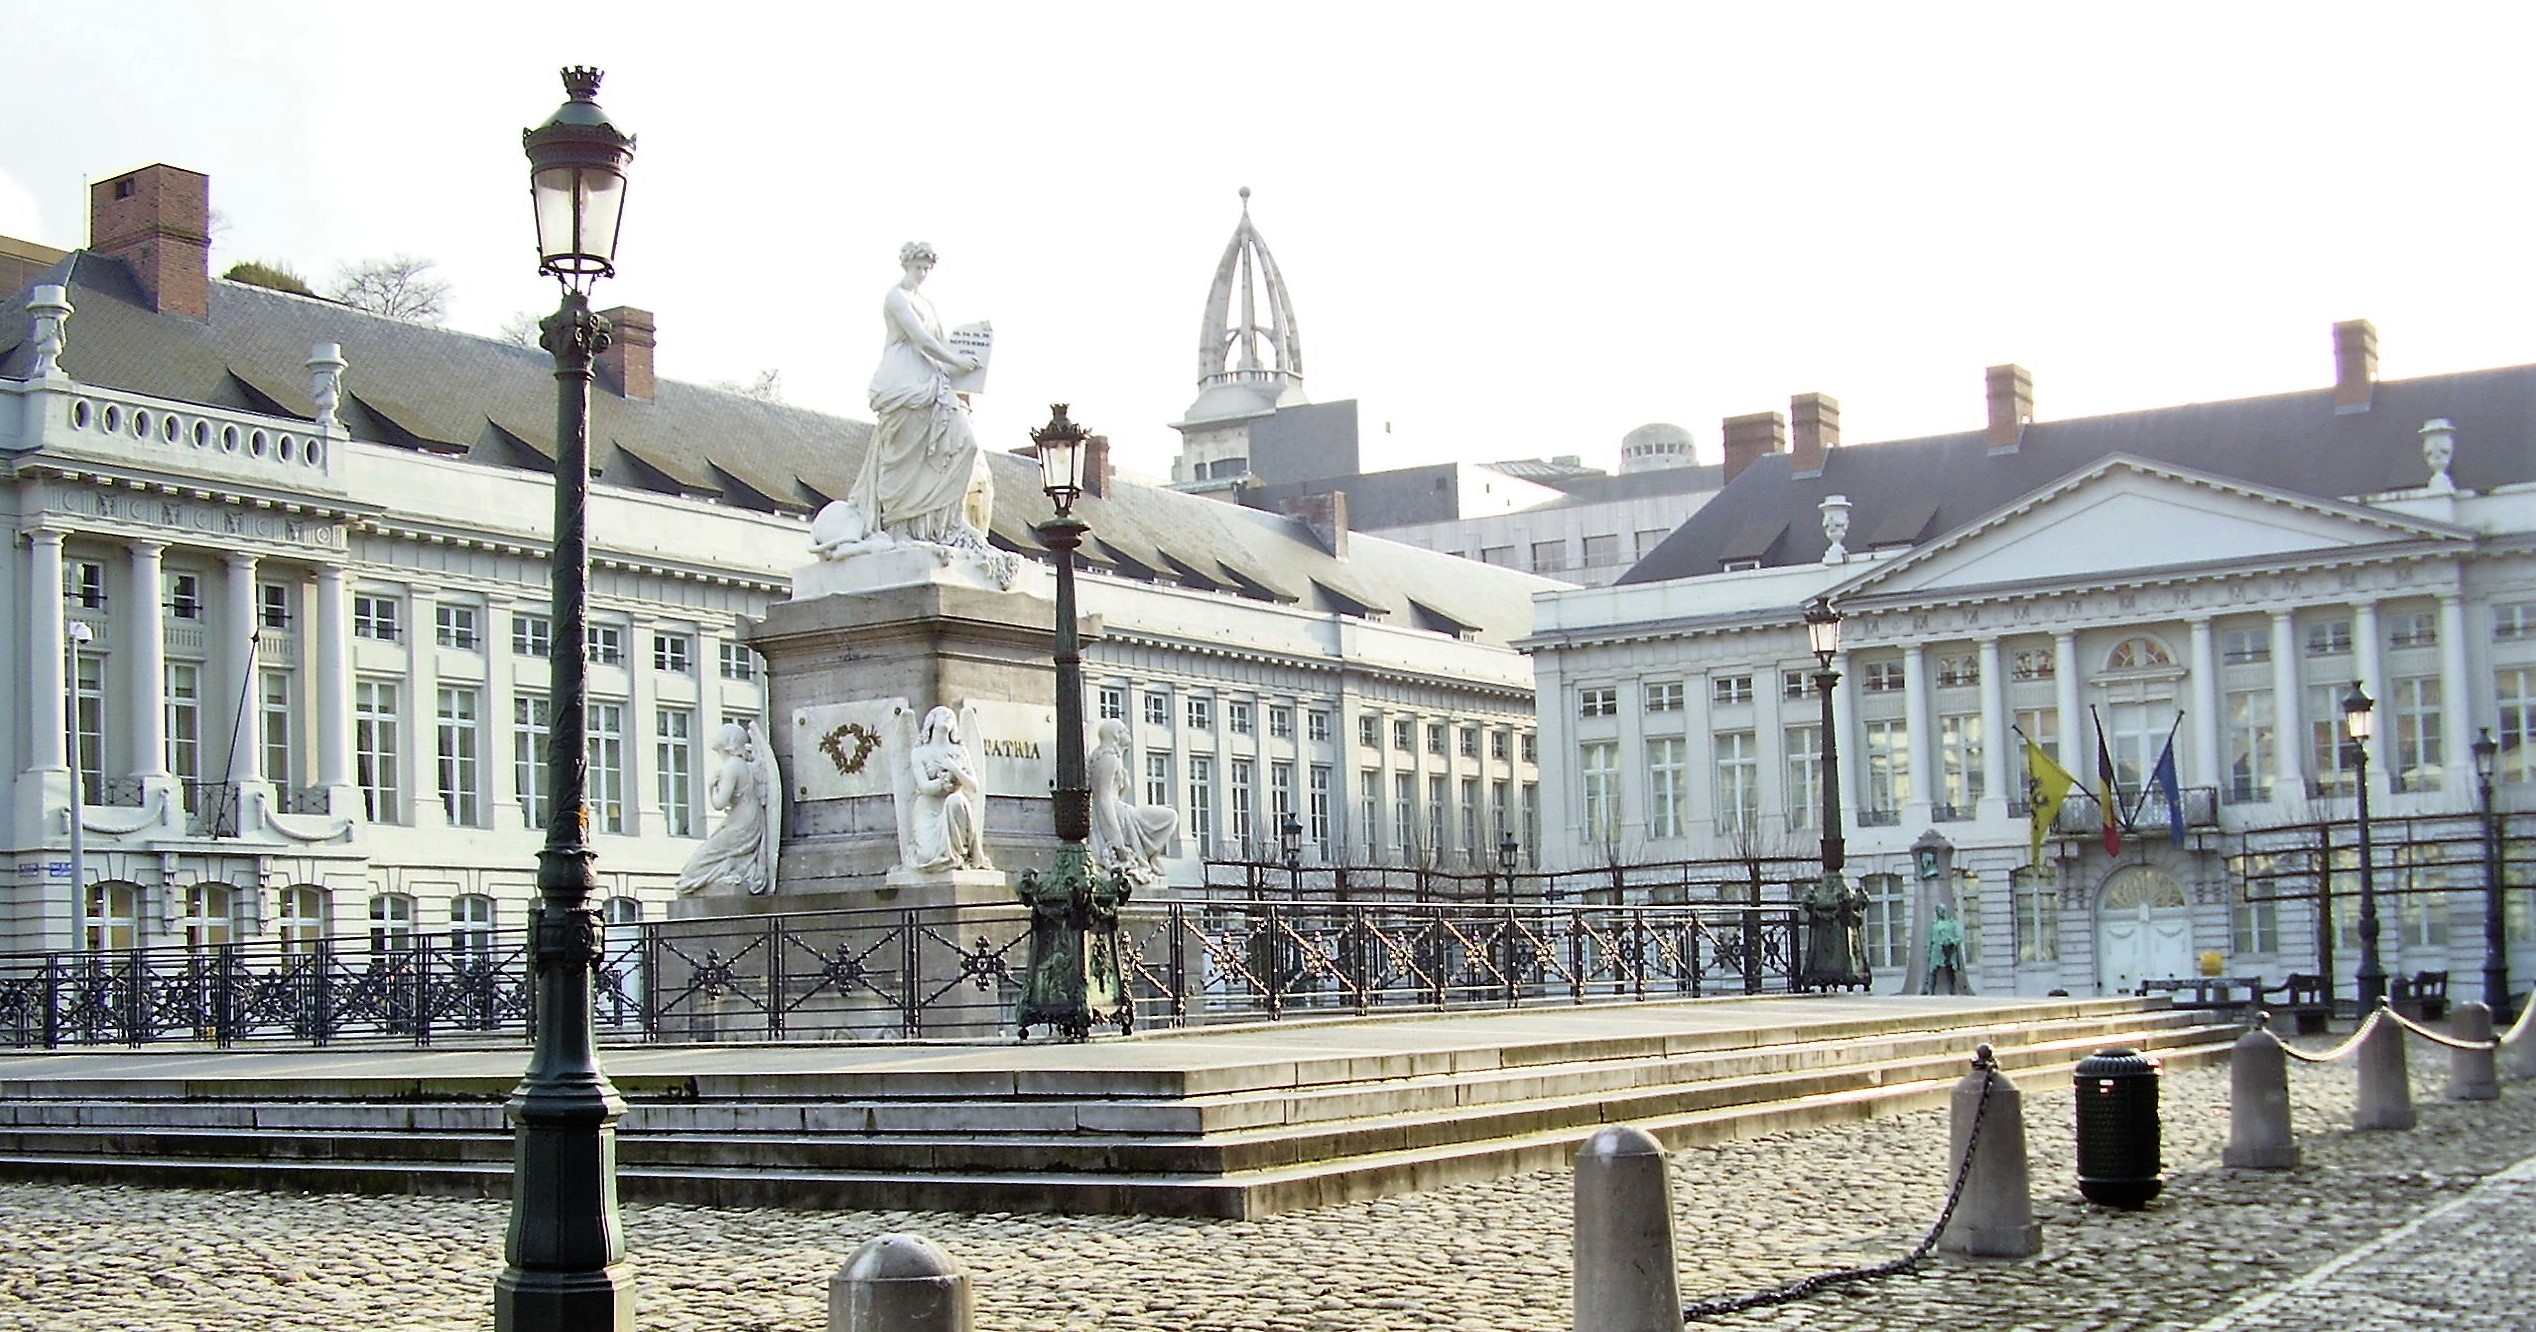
2118, 1162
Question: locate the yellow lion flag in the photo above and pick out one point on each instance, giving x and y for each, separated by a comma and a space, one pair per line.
2047, 785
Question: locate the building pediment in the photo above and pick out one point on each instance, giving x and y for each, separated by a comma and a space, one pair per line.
2124, 517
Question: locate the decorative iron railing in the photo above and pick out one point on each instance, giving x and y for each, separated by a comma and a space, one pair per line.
883, 974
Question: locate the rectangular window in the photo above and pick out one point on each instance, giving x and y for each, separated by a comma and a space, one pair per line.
1369, 730
674, 654
1602, 551
86, 585
461, 759
374, 749
2136, 734
88, 727
674, 755
185, 722
2042, 726
532, 635
1238, 793
1598, 702
1959, 757
1157, 709
455, 626
2037, 898
2034, 664
1404, 813
1664, 696
2329, 638
1435, 816
2254, 927
1435, 738
2245, 647
1201, 807
2513, 620
1157, 777
1470, 816
1804, 748
2412, 629
1281, 723
1888, 921
1368, 794
1237, 718
1600, 765
1738, 794
1280, 792
1959, 671
1316, 726
1531, 748
1317, 825
1470, 742
1888, 768
606, 790
1500, 798
1201, 712
1549, 557
606, 643
2329, 754
2414, 702
1501, 556
272, 605
1730, 689
737, 661
185, 596
2252, 756
376, 617
532, 724
391, 923
1792, 684
1403, 734
2514, 691
1497, 745
1112, 703
274, 709
1668, 785
1649, 538
1883, 677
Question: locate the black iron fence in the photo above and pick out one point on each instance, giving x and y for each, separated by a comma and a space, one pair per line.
895, 974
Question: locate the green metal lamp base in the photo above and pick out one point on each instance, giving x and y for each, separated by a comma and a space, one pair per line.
1073, 981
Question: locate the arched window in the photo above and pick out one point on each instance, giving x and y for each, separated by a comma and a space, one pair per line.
207, 907
303, 918
2138, 654
391, 923
2135, 886
113, 921
471, 921
620, 980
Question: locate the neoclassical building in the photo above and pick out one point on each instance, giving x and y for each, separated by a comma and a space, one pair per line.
277, 580
2218, 572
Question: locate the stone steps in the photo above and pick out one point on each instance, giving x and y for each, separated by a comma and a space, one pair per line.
1224, 1136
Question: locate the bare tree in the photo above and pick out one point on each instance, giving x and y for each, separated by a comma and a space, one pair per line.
401, 287
521, 330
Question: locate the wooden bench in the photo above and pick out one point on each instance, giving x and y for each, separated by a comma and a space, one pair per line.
2236, 996
2422, 995
2304, 1001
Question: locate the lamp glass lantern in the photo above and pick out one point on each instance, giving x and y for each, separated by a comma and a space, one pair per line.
2487, 756
1290, 839
2359, 714
1507, 850
1822, 629
576, 180
1060, 446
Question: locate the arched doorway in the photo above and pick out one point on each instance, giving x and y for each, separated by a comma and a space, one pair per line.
2144, 929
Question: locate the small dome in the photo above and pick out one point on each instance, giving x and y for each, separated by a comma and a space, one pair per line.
1657, 444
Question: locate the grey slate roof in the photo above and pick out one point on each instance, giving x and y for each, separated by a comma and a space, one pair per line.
433, 389
1908, 491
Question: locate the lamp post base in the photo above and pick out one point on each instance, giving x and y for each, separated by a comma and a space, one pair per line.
601, 1301
1073, 980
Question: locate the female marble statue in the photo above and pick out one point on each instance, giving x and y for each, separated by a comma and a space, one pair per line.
923, 477
1126, 836
740, 853
946, 826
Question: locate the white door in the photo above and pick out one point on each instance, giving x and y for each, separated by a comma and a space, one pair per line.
2144, 929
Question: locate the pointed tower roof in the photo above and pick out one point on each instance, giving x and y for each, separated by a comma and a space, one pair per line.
1250, 356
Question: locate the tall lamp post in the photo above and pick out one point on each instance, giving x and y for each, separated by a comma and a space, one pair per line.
2496, 948
1073, 980
1822, 634
565, 1252
1507, 850
1832, 911
75, 636
2359, 720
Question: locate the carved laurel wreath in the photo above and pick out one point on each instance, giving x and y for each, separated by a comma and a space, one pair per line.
834, 745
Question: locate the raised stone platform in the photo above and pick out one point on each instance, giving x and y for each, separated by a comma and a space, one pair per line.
1226, 1121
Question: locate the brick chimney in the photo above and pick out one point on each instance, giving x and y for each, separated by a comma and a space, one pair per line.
1749, 437
1816, 419
1325, 513
627, 362
157, 220
2354, 366
2011, 406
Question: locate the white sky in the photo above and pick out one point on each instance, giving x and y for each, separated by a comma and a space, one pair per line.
1509, 230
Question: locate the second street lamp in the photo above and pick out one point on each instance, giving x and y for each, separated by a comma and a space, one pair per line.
564, 1254
2359, 720
2496, 945
1832, 911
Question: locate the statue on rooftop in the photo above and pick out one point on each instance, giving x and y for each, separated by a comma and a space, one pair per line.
923, 479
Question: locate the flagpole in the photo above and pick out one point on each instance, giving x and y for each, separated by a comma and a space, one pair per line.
2131, 817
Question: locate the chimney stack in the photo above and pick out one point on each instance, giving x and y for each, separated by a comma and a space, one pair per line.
2011, 406
1096, 465
1325, 512
628, 360
157, 220
1816, 418
2354, 366
1749, 437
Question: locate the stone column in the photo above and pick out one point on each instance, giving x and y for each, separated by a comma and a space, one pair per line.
249, 795
2073, 752
420, 758
709, 699
1996, 743
2457, 698
1927, 784
331, 645
144, 636
2205, 765
496, 726
2289, 731
1853, 750
2368, 665
45, 687
642, 733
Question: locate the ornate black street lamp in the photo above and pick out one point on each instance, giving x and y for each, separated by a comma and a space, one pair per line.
1073, 979
1290, 844
1832, 910
565, 1252
2496, 947
1822, 633
1507, 850
2359, 720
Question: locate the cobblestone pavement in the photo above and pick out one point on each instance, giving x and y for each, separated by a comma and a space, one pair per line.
2377, 1230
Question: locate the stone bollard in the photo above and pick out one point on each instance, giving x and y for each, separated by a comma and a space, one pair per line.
2386, 1088
1625, 1279
1995, 1217
2470, 1076
900, 1283
2259, 1135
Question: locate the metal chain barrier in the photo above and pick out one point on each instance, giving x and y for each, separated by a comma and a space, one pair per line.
1803, 1287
